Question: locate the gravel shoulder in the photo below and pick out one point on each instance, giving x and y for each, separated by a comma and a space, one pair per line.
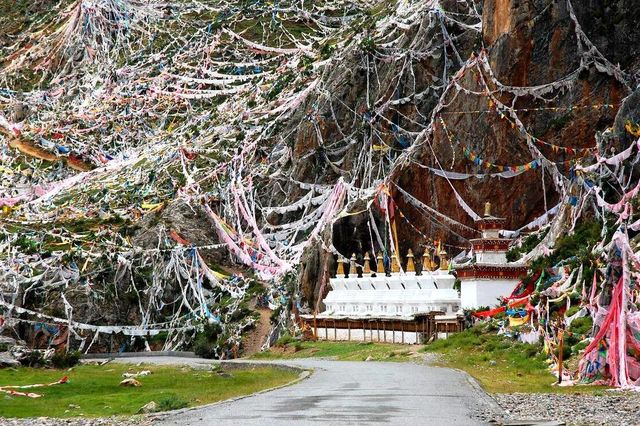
610, 408
606, 407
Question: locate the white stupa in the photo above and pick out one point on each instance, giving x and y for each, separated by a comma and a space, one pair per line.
488, 276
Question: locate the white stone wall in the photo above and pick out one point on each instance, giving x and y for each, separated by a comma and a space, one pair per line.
375, 303
468, 294
397, 296
491, 257
485, 292
406, 281
491, 233
366, 335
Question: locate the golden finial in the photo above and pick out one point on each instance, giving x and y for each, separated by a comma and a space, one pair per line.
395, 263
426, 260
366, 270
352, 265
410, 265
340, 271
444, 264
380, 264
487, 209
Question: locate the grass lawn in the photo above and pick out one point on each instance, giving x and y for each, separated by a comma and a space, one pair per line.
343, 351
500, 364
96, 391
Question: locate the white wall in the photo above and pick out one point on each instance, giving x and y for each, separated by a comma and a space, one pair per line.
372, 303
476, 293
491, 257
468, 294
491, 233
395, 281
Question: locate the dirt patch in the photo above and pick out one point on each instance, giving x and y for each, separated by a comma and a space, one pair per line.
255, 338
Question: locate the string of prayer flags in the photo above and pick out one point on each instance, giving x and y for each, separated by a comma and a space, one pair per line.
476, 159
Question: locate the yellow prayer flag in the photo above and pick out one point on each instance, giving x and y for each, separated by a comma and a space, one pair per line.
515, 322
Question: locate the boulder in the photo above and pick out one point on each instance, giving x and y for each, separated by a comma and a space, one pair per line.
29, 356
142, 373
131, 383
150, 407
6, 360
8, 341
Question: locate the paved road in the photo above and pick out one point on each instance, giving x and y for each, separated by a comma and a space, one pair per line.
340, 392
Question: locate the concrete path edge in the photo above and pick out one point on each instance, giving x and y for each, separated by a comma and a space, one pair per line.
485, 396
303, 374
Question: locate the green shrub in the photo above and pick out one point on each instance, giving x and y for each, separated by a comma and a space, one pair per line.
241, 312
490, 346
572, 310
566, 352
63, 359
202, 348
489, 327
581, 326
504, 344
206, 341
285, 339
576, 298
535, 298
159, 338
531, 351
529, 243
470, 337
579, 346
577, 245
172, 402
570, 339
35, 359
275, 314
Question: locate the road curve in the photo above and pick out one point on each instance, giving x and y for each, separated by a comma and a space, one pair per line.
343, 392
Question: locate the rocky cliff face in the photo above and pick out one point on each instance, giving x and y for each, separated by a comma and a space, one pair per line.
535, 59
546, 83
